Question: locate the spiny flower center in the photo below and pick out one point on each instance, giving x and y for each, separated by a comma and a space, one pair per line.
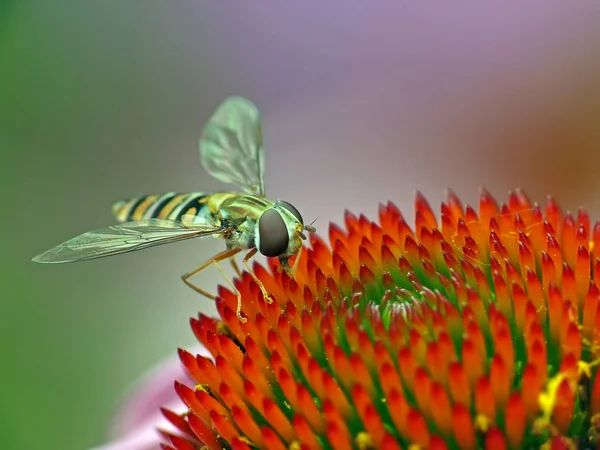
477, 330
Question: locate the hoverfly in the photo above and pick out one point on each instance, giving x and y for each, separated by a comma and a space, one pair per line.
231, 150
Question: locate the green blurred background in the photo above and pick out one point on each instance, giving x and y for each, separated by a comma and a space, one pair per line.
103, 100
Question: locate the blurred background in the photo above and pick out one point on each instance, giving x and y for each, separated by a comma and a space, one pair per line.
104, 100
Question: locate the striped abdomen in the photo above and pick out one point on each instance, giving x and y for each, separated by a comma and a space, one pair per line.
171, 206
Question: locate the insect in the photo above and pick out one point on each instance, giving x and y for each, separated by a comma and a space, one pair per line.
231, 150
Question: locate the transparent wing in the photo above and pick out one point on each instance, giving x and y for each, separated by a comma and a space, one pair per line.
125, 237
231, 146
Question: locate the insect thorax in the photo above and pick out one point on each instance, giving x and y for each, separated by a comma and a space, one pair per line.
241, 207
242, 212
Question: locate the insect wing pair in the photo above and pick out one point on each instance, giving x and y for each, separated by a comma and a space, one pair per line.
231, 150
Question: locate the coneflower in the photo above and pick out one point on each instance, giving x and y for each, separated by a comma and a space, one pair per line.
471, 330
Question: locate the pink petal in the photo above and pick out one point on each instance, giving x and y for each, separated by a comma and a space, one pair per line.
135, 425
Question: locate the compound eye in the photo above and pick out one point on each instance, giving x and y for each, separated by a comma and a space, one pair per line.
291, 208
273, 233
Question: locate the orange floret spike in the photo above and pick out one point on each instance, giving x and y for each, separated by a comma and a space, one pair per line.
592, 301
177, 420
564, 404
389, 214
278, 421
554, 250
583, 220
224, 426
464, 429
519, 307
423, 392
390, 443
505, 352
336, 428
555, 310
370, 418
582, 274
472, 361
500, 380
272, 440
554, 215
417, 430
538, 358
448, 228
204, 433
442, 413
530, 391
595, 396
488, 207
572, 341
422, 207
460, 388
582, 237
515, 419
247, 425
526, 260
485, 400
569, 240
569, 285
548, 271
305, 434
495, 440
595, 244
454, 204
502, 295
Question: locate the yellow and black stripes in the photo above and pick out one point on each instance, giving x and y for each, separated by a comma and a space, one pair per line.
171, 206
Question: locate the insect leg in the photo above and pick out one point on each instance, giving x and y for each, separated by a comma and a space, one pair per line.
284, 266
238, 309
265, 294
238, 272
296, 261
214, 260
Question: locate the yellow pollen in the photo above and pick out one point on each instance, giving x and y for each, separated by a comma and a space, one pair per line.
364, 441
593, 346
584, 368
482, 423
295, 445
540, 426
246, 440
222, 329
203, 388
547, 399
